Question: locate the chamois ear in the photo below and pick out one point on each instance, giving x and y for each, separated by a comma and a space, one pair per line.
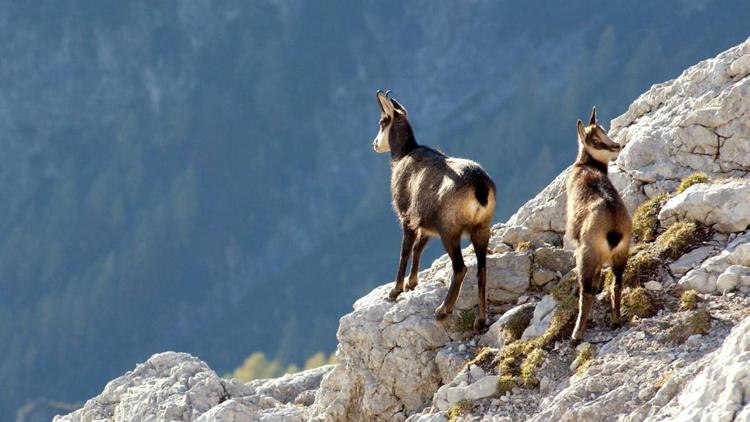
592, 119
398, 106
383, 101
581, 131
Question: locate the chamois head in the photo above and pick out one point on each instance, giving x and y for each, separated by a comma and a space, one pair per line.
394, 127
594, 140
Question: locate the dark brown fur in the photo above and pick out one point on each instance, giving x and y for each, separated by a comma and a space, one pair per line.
598, 221
436, 195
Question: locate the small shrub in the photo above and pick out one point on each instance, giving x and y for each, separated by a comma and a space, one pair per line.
689, 300
484, 358
529, 366
691, 180
516, 325
524, 246
645, 265
645, 218
460, 408
465, 321
679, 238
564, 287
637, 302
698, 322
585, 356
504, 384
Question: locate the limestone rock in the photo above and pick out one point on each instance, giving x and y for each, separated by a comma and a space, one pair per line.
704, 278
722, 206
732, 277
543, 313
719, 390
494, 335
176, 386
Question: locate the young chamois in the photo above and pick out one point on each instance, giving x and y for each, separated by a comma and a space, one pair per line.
598, 221
435, 195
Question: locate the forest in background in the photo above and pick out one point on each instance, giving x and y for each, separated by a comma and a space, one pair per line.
198, 176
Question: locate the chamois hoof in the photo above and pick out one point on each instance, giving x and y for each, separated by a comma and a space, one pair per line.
615, 323
574, 342
441, 312
480, 324
410, 286
393, 295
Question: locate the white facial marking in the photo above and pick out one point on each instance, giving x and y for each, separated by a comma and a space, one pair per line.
603, 155
380, 144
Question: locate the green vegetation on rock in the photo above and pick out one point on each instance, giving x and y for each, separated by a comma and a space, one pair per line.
460, 408
646, 218
691, 180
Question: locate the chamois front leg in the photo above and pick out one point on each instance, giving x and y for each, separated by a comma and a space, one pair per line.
453, 247
480, 238
416, 253
406, 244
587, 267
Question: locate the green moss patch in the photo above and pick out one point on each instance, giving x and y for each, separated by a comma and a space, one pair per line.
465, 321
529, 366
645, 265
689, 300
637, 303
698, 322
646, 218
691, 180
504, 384
680, 237
584, 357
460, 408
484, 358
521, 359
524, 246
515, 326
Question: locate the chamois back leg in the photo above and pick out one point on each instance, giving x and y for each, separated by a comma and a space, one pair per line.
416, 253
406, 244
480, 238
452, 245
619, 261
588, 267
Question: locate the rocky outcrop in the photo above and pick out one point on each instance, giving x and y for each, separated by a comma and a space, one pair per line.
386, 361
396, 362
178, 387
722, 206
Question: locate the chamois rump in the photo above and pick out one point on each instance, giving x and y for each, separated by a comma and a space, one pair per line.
597, 221
435, 195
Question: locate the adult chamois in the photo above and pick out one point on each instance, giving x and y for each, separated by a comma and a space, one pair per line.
435, 195
597, 220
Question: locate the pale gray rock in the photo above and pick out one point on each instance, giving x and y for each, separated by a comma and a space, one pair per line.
719, 391
732, 277
546, 211
542, 276
704, 278
450, 360
722, 206
554, 259
494, 335
540, 322
287, 388
691, 260
653, 285
176, 386
386, 359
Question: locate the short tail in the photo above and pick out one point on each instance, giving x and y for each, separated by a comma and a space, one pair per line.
482, 190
